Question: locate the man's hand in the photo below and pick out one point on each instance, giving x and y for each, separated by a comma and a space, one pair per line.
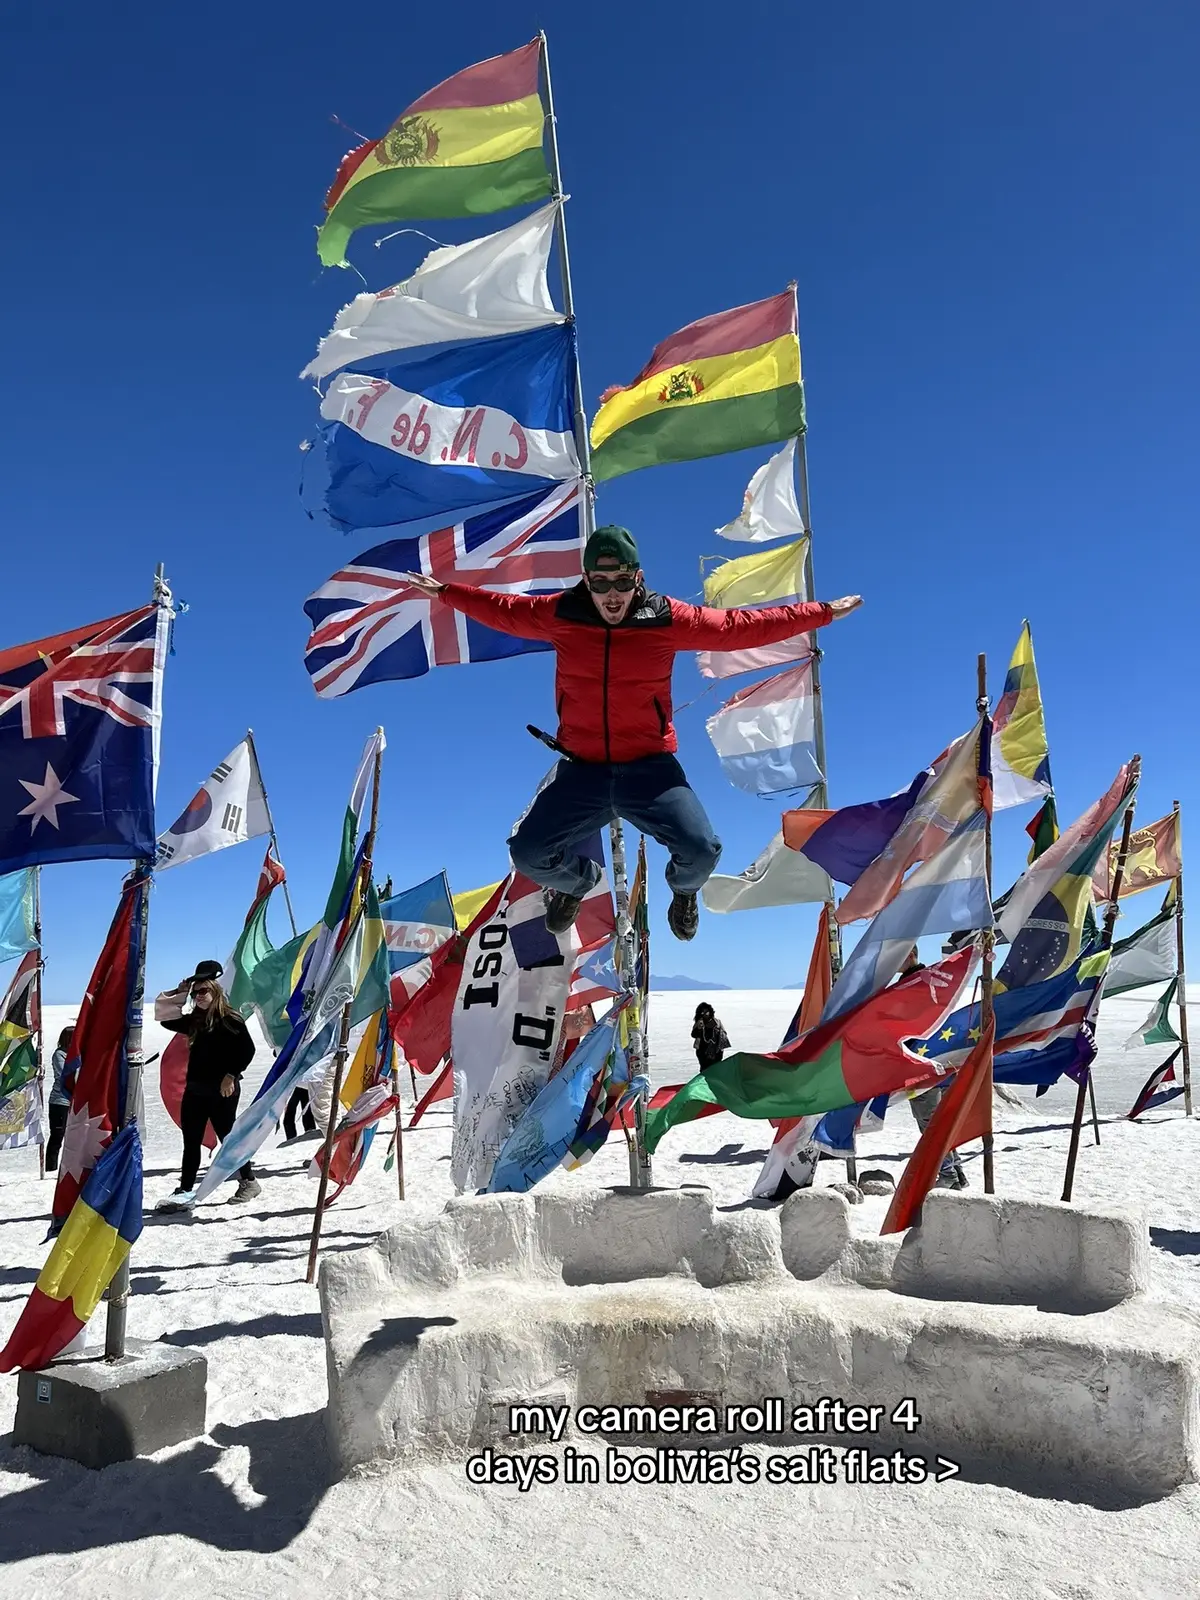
228, 1085
429, 587
844, 606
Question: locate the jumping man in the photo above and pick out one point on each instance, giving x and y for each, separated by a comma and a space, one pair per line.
615, 643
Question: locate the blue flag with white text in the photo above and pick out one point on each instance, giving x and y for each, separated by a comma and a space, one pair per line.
451, 426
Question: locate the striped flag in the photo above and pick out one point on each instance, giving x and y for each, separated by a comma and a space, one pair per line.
1020, 753
772, 577
1153, 1093
371, 626
104, 1222
766, 735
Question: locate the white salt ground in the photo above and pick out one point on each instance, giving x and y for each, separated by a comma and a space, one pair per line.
250, 1508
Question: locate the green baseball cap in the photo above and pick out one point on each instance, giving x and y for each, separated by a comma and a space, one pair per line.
616, 543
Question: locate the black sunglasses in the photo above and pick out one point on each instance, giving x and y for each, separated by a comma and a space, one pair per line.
598, 584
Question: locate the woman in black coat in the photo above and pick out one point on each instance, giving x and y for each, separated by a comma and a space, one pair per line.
709, 1039
219, 1051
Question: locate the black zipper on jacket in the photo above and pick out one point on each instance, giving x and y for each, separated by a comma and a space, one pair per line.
607, 653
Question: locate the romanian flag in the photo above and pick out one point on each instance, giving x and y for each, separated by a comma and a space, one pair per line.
853, 1058
724, 383
96, 1239
471, 146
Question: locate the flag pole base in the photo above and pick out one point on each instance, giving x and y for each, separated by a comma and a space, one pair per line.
88, 1409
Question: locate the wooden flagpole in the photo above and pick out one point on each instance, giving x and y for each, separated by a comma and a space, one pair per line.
1110, 923
820, 793
271, 824
1181, 991
640, 1174
343, 1044
39, 1039
989, 934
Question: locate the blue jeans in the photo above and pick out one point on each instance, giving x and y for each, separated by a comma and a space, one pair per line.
652, 795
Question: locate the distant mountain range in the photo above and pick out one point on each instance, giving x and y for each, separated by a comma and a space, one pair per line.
680, 981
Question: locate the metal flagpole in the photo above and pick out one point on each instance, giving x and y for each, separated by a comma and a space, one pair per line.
271, 824
1110, 923
39, 1040
639, 1157
343, 1045
143, 873
1181, 991
989, 936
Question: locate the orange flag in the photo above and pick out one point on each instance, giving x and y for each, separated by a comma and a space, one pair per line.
963, 1113
1154, 857
817, 986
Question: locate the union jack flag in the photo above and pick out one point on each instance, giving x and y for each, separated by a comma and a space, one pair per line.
79, 726
370, 625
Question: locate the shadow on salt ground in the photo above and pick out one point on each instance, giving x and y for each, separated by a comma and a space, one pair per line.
303, 1324
73, 1510
10, 1275
1176, 1241
729, 1155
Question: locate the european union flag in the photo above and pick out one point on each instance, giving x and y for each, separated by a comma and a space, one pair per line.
79, 722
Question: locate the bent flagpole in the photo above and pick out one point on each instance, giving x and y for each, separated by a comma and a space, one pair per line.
639, 1157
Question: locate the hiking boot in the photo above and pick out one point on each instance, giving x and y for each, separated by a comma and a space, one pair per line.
561, 911
683, 916
247, 1189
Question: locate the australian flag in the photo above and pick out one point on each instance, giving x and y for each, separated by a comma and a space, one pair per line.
79, 721
371, 625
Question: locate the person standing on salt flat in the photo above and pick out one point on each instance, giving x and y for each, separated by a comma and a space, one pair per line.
615, 642
709, 1039
219, 1051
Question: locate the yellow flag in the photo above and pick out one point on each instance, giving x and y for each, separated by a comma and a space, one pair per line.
471, 902
766, 577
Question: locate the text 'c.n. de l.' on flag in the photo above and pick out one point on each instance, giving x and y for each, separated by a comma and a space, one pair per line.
461, 425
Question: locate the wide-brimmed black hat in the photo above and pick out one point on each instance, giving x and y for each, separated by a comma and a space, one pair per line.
206, 972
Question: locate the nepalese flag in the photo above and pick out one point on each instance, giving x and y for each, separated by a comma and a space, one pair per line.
96, 1053
765, 736
1153, 1093
370, 625
79, 727
105, 1221
462, 426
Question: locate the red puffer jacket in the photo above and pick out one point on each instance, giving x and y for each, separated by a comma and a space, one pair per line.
613, 684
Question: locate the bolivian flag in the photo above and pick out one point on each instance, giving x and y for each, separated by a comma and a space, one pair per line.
95, 1240
724, 383
471, 146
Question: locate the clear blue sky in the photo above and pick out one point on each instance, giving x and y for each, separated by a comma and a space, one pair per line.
991, 214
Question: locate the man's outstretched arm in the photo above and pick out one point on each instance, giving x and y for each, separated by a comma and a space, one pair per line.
743, 628
524, 616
